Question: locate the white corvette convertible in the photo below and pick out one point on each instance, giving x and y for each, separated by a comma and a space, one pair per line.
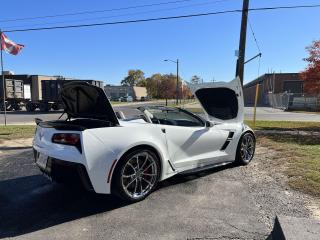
128, 157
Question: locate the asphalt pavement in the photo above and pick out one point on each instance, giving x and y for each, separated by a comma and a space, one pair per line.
211, 205
272, 114
223, 203
263, 113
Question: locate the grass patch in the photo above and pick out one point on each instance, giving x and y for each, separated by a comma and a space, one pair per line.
195, 110
285, 125
116, 102
16, 131
301, 157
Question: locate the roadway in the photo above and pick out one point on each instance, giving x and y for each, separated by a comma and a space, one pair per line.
263, 113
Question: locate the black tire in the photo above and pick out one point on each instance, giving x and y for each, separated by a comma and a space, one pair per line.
55, 107
30, 107
44, 107
119, 176
17, 107
10, 107
243, 157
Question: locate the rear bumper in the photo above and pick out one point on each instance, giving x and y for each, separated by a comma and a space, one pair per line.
66, 172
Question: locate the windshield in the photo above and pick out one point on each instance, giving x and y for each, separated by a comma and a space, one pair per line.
173, 116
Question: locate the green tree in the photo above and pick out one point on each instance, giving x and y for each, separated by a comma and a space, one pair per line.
142, 83
152, 85
168, 86
133, 78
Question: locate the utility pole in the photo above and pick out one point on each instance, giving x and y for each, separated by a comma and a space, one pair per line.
242, 43
177, 90
3, 82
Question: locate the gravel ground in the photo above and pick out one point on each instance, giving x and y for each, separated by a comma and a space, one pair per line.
224, 203
268, 186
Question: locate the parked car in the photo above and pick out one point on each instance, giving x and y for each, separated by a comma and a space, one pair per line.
126, 99
129, 157
114, 99
129, 99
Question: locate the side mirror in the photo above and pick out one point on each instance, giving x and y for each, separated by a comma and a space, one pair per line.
37, 120
209, 124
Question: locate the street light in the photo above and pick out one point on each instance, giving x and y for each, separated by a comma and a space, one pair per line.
177, 89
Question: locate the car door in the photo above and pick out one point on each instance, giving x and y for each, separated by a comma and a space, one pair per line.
190, 142
201, 145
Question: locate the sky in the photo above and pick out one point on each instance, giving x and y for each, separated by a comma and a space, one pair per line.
205, 46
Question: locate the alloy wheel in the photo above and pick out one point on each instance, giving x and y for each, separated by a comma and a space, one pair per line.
247, 147
139, 175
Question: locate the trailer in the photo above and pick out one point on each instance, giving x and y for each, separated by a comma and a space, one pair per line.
48, 94
35, 91
14, 94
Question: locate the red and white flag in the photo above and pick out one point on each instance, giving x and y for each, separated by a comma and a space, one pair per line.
10, 46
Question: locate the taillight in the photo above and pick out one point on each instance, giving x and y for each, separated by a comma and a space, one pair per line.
67, 139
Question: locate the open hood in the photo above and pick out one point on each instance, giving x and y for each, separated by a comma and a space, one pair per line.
221, 101
83, 100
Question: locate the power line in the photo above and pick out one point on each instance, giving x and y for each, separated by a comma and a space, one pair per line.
123, 22
95, 11
163, 18
121, 15
254, 35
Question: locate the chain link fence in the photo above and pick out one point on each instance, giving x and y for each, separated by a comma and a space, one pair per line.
279, 100
291, 101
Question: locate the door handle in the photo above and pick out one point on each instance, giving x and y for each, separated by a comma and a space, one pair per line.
163, 130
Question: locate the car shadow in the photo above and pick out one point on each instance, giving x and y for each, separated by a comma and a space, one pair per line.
31, 203
190, 176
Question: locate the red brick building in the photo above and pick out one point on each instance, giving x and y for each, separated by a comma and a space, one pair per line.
272, 83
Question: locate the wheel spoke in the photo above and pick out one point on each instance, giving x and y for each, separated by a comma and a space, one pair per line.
137, 162
145, 161
148, 167
129, 176
134, 169
135, 187
149, 183
141, 190
149, 174
130, 183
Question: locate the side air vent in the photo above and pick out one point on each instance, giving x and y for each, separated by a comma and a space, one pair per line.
225, 145
230, 136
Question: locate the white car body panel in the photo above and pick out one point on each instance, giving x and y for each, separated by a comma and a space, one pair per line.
202, 144
186, 148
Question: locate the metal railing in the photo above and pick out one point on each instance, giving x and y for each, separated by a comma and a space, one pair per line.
279, 100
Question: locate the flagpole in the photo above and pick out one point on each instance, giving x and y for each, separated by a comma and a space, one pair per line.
3, 83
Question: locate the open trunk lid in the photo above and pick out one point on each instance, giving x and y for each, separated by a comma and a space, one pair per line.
221, 101
83, 100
